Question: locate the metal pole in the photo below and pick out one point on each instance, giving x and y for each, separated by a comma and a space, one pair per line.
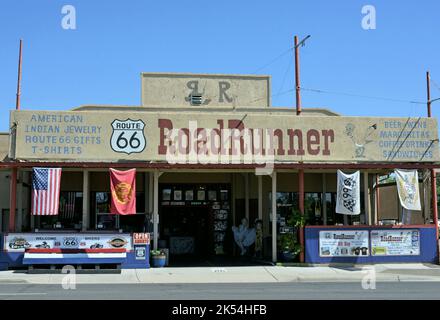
301, 210
246, 196
156, 210
260, 197
433, 175
297, 84
324, 199
367, 200
12, 199
86, 200
376, 216
274, 216
434, 198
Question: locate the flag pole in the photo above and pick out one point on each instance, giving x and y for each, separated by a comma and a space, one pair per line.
14, 171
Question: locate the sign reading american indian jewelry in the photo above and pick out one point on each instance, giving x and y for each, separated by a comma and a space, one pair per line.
220, 137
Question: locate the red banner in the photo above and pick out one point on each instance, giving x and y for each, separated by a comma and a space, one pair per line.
123, 188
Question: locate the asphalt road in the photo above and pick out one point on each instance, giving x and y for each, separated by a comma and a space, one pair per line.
223, 291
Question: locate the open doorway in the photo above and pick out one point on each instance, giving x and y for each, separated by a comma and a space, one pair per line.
195, 222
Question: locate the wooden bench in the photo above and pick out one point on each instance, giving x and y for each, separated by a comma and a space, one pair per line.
79, 257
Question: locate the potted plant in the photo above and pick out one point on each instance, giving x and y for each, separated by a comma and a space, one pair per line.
288, 242
158, 258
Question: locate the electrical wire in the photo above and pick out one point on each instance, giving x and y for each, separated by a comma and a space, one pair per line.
362, 96
274, 60
273, 95
285, 75
434, 83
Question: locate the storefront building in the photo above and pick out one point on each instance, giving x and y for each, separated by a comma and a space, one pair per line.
210, 150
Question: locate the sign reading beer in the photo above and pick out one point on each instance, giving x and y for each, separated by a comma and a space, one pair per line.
204, 137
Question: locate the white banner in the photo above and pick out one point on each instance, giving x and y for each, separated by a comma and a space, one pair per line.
343, 243
408, 189
348, 196
395, 242
18, 242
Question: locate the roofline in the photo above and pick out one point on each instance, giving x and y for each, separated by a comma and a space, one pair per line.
163, 165
184, 108
219, 75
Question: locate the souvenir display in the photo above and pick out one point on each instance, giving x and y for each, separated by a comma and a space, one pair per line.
220, 212
189, 195
212, 195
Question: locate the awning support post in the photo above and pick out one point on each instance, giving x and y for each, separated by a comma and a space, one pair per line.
157, 174
274, 216
301, 210
86, 196
12, 199
367, 200
260, 197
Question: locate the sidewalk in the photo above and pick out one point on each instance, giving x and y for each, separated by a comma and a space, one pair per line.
258, 274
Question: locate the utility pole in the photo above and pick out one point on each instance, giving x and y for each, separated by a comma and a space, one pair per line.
17, 102
298, 112
14, 171
297, 81
297, 84
433, 174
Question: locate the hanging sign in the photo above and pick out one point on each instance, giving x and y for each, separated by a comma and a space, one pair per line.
348, 195
408, 189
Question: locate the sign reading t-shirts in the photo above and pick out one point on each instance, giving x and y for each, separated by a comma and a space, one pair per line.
348, 195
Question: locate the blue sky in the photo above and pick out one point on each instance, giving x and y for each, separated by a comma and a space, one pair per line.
100, 62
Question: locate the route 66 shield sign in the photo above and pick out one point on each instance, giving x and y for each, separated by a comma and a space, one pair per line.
128, 136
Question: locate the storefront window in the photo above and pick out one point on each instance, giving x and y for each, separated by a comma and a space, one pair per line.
313, 208
106, 221
69, 214
334, 218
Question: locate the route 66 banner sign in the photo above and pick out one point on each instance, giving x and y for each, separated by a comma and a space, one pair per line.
408, 189
128, 136
348, 196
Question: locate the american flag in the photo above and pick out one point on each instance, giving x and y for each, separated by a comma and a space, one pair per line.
45, 191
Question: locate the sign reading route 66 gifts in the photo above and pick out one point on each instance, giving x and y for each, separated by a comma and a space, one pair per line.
128, 136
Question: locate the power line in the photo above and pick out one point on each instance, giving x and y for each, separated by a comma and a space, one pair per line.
273, 60
273, 95
434, 83
361, 96
285, 75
